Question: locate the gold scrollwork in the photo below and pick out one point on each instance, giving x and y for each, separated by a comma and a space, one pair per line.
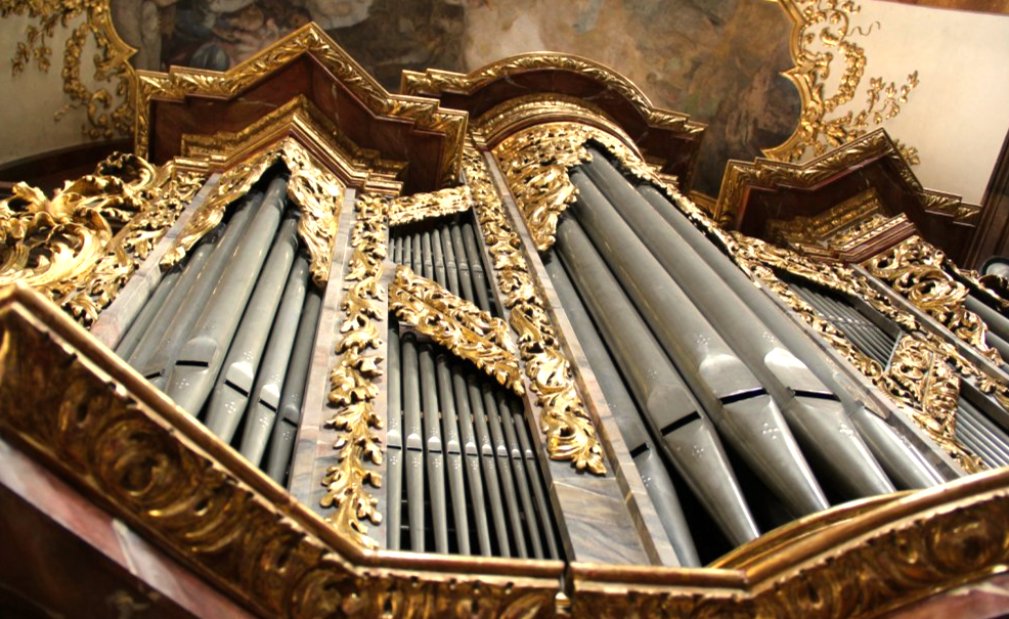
82, 245
111, 63
420, 206
822, 32
566, 422
535, 163
457, 324
915, 270
315, 189
352, 387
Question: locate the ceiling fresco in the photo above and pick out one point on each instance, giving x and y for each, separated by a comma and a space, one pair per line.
720, 61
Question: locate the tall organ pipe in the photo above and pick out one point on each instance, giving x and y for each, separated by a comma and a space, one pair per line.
453, 450
727, 389
140, 324
489, 465
691, 441
818, 420
656, 479
413, 442
472, 456
900, 460
433, 455
200, 357
394, 441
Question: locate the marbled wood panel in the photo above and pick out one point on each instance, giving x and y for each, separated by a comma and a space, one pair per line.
718, 61
66, 554
978, 600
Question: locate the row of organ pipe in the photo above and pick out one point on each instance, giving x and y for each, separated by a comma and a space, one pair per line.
714, 389
228, 333
462, 473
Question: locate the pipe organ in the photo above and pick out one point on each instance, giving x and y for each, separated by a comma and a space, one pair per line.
474, 349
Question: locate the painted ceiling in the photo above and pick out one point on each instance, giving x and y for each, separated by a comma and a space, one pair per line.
720, 61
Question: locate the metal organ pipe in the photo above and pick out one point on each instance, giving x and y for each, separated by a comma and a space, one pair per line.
729, 392
901, 461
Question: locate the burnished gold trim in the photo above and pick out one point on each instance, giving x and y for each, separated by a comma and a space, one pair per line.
73, 404
312, 187
570, 433
435, 82
420, 206
741, 176
535, 162
82, 245
111, 63
352, 387
310, 39
914, 269
822, 35
455, 323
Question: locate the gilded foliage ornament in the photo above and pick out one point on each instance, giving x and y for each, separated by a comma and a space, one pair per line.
569, 429
352, 387
80, 246
455, 323
420, 206
315, 189
109, 113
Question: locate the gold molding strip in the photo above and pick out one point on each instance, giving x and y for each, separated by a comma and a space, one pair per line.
352, 386
455, 323
312, 187
420, 206
111, 63
569, 429
310, 39
914, 269
81, 246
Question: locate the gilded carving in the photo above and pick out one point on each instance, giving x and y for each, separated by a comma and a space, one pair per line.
456, 324
180, 82
915, 270
311, 186
535, 163
80, 410
420, 206
80, 246
823, 36
566, 422
108, 109
352, 388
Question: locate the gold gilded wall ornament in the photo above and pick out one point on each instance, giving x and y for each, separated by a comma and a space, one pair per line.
420, 206
312, 187
455, 323
823, 37
82, 245
569, 429
914, 269
109, 113
352, 388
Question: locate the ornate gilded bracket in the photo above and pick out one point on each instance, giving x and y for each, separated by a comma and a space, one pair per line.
457, 324
569, 429
915, 270
352, 387
420, 206
312, 187
82, 245
535, 163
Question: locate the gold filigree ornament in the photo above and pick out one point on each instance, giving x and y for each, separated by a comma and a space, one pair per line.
420, 206
914, 269
568, 427
455, 323
823, 36
80, 246
311, 186
109, 113
352, 387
